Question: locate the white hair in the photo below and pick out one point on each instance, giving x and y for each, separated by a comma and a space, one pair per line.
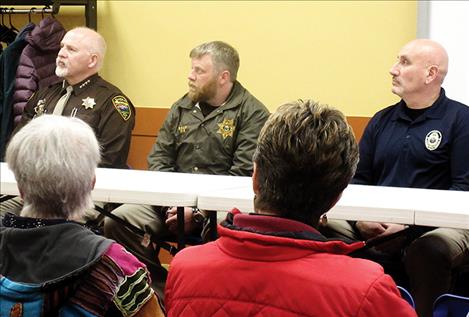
95, 43
54, 159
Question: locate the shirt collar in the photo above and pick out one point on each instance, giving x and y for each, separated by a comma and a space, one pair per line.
435, 111
84, 84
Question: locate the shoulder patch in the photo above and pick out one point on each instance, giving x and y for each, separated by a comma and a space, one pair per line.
122, 106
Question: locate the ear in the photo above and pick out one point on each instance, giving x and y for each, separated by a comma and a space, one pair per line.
224, 77
93, 182
432, 73
93, 61
255, 182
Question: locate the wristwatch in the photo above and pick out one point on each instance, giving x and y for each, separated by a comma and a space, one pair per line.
197, 215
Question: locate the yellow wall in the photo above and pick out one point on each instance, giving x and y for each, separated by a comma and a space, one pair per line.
337, 52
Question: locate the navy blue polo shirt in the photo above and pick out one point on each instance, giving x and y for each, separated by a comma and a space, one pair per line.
430, 152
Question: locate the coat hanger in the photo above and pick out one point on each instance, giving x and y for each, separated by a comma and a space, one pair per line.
6, 34
33, 9
12, 27
2, 10
2, 24
45, 10
51, 11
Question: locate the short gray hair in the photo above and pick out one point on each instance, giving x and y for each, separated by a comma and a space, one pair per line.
224, 56
54, 159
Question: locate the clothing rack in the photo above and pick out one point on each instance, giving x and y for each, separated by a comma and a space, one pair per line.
53, 6
26, 11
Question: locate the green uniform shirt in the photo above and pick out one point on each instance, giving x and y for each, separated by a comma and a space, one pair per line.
221, 143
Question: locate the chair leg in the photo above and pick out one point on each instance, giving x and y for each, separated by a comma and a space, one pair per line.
181, 236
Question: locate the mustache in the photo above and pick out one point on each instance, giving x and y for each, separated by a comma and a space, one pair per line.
61, 63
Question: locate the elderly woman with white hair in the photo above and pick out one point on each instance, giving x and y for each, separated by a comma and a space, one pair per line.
51, 265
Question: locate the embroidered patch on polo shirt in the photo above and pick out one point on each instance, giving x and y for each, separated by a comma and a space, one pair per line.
433, 140
122, 106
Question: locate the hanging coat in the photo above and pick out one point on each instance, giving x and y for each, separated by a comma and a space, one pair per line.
8, 65
36, 68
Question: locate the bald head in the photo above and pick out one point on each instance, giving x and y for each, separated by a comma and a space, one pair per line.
431, 53
418, 73
81, 55
92, 41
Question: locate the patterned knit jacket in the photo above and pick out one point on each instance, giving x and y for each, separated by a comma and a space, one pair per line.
58, 268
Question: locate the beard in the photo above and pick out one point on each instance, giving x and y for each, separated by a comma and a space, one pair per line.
204, 93
61, 68
61, 71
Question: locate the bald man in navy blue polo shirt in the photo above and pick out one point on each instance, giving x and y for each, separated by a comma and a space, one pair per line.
421, 142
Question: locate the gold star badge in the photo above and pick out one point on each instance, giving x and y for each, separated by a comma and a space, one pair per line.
226, 128
88, 103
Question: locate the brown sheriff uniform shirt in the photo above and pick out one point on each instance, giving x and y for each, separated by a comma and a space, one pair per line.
98, 103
